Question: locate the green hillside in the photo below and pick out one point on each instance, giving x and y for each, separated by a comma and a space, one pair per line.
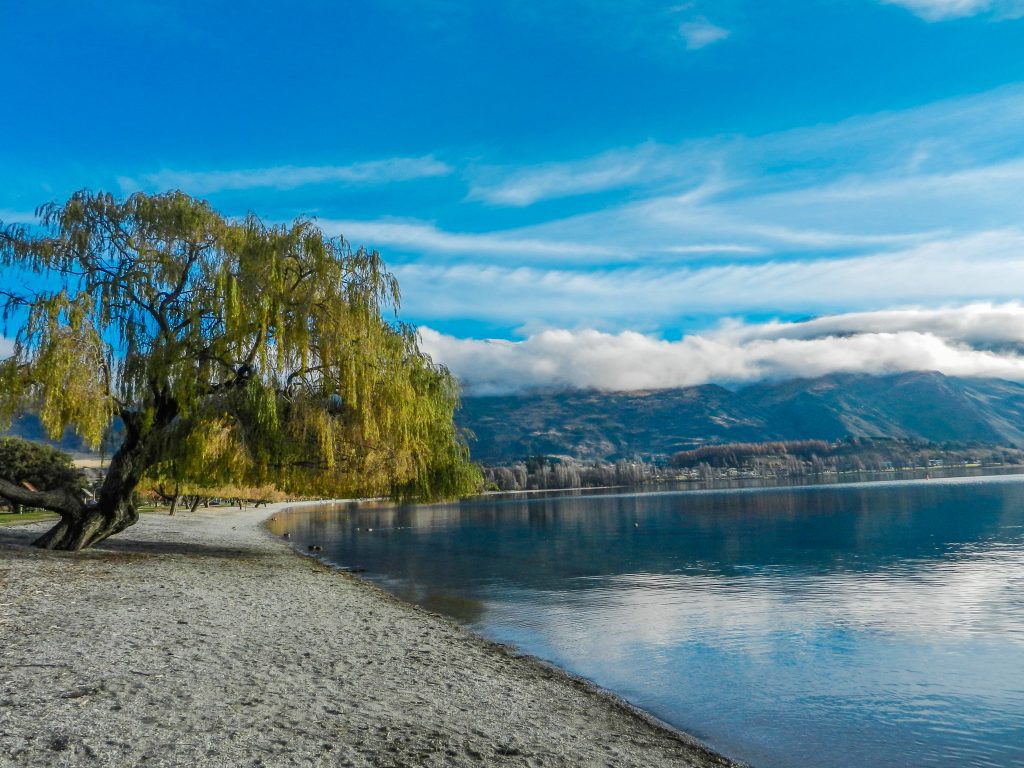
610, 425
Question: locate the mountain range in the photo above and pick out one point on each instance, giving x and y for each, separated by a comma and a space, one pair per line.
590, 424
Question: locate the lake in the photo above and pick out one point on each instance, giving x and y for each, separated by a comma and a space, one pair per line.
871, 624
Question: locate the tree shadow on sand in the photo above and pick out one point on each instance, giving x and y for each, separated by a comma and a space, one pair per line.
16, 541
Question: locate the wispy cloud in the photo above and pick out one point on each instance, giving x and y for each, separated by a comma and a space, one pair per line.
972, 268
947, 175
940, 171
6, 347
943, 10
289, 176
610, 170
918, 206
957, 341
701, 33
422, 236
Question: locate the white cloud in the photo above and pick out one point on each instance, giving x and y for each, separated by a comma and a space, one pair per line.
289, 176
956, 341
6, 347
701, 33
943, 10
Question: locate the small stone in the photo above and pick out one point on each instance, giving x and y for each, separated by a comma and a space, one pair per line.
78, 693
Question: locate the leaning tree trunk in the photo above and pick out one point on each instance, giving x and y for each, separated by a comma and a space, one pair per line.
85, 524
113, 510
92, 526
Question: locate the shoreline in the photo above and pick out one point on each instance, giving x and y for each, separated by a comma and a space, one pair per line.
192, 640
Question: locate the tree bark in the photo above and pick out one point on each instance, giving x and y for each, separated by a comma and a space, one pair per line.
80, 524
91, 527
62, 501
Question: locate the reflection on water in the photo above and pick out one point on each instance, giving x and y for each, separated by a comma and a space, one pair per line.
873, 624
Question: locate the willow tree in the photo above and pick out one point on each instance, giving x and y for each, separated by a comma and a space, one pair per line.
231, 352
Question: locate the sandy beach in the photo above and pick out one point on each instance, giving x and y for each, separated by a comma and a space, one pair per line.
202, 640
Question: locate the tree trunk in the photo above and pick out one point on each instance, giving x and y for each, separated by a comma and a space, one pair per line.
88, 528
174, 499
195, 503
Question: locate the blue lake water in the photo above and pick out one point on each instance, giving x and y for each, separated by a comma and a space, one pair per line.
875, 624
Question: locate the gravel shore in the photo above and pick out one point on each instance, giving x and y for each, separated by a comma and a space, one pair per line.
202, 640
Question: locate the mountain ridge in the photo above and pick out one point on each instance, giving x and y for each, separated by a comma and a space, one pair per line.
590, 424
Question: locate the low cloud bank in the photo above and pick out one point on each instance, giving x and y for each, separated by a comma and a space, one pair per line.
977, 340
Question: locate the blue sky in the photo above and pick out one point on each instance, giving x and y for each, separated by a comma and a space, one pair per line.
574, 170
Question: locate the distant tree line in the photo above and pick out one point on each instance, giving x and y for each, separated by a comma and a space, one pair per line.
811, 457
774, 459
546, 473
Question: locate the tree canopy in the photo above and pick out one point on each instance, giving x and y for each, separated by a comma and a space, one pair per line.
233, 351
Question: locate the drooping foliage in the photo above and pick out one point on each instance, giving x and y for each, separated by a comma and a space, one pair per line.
234, 351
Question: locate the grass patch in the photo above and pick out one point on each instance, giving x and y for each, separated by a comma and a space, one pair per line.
32, 516
37, 515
